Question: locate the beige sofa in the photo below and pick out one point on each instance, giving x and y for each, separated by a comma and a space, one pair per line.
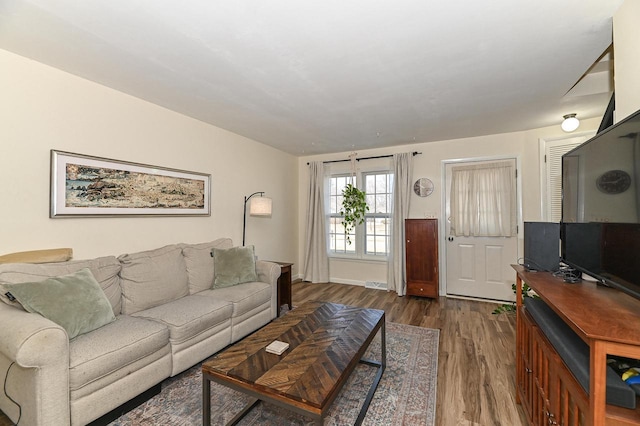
168, 318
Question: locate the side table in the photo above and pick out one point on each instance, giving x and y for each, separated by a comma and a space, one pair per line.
284, 284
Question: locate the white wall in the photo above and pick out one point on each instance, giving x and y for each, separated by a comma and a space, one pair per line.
626, 38
523, 145
42, 108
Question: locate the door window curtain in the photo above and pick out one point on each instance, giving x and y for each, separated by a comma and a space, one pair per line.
316, 260
483, 200
396, 272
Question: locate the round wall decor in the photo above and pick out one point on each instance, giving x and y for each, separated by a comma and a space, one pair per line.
614, 182
423, 187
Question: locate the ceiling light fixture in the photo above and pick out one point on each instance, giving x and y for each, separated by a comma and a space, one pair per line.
570, 123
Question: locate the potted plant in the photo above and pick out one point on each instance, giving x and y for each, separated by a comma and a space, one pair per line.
354, 207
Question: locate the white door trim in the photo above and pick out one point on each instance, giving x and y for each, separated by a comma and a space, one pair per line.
542, 149
442, 243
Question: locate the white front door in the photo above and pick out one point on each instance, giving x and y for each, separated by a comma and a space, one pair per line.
478, 267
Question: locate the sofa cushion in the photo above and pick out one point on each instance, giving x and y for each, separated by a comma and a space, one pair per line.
152, 278
74, 301
189, 316
244, 297
113, 347
104, 269
200, 265
233, 266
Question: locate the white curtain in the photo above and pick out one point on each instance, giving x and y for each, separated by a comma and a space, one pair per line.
316, 260
402, 175
483, 200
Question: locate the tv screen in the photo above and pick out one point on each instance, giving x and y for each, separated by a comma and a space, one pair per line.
600, 227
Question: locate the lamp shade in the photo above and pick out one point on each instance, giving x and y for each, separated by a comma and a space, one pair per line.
570, 123
260, 206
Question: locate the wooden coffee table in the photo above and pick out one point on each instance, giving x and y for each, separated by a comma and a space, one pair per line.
326, 343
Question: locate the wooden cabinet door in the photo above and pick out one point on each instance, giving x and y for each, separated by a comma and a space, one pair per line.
524, 382
421, 245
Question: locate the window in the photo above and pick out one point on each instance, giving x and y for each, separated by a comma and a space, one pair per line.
483, 200
372, 239
377, 233
337, 238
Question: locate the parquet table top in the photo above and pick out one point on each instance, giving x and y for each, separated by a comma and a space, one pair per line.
326, 342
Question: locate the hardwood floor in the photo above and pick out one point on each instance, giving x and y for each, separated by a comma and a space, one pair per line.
476, 372
476, 367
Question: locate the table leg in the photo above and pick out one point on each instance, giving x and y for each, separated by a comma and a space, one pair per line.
243, 413
383, 348
381, 366
206, 401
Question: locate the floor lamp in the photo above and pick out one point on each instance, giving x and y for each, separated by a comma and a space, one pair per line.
259, 206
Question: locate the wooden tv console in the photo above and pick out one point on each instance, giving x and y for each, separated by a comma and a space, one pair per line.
607, 320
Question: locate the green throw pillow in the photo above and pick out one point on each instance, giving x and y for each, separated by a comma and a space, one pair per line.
75, 301
233, 266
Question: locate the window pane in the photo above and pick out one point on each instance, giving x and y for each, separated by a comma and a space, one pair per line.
379, 187
337, 238
371, 201
381, 183
381, 203
370, 184
377, 236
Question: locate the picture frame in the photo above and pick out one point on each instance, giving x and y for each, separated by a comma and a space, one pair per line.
85, 185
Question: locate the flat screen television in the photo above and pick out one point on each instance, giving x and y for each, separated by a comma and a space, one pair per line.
600, 227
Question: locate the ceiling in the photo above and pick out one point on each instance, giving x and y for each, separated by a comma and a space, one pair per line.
314, 77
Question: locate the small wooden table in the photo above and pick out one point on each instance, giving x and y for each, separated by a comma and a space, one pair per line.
326, 343
284, 285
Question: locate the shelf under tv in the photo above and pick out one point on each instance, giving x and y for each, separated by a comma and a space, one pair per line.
606, 319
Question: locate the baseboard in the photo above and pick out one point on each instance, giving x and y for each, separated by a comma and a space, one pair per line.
346, 281
475, 299
127, 406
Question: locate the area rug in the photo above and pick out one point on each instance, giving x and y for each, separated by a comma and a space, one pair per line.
406, 394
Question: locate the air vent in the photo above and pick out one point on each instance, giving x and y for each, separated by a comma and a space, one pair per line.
375, 284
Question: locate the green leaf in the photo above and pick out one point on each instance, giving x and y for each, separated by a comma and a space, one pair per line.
354, 208
506, 308
511, 307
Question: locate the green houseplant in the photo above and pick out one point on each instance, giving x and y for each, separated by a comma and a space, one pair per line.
511, 307
354, 207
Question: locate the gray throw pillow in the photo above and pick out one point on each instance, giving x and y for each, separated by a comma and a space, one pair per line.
75, 301
233, 266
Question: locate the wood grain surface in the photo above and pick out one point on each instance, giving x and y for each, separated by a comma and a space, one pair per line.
326, 341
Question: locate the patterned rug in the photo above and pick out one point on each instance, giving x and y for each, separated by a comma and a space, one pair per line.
406, 394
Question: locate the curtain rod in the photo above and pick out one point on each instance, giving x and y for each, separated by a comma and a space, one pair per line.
414, 153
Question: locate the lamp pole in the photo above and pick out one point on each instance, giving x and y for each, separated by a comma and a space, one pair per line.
244, 217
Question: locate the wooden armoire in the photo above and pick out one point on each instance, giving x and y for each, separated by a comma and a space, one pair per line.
421, 242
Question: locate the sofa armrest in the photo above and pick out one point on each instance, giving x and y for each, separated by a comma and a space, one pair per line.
35, 354
23, 336
269, 272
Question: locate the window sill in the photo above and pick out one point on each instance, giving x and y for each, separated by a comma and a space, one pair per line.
367, 259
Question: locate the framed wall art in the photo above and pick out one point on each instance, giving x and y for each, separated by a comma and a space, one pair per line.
84, 185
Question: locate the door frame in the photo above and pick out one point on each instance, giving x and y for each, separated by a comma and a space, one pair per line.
442, 246
542, 152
